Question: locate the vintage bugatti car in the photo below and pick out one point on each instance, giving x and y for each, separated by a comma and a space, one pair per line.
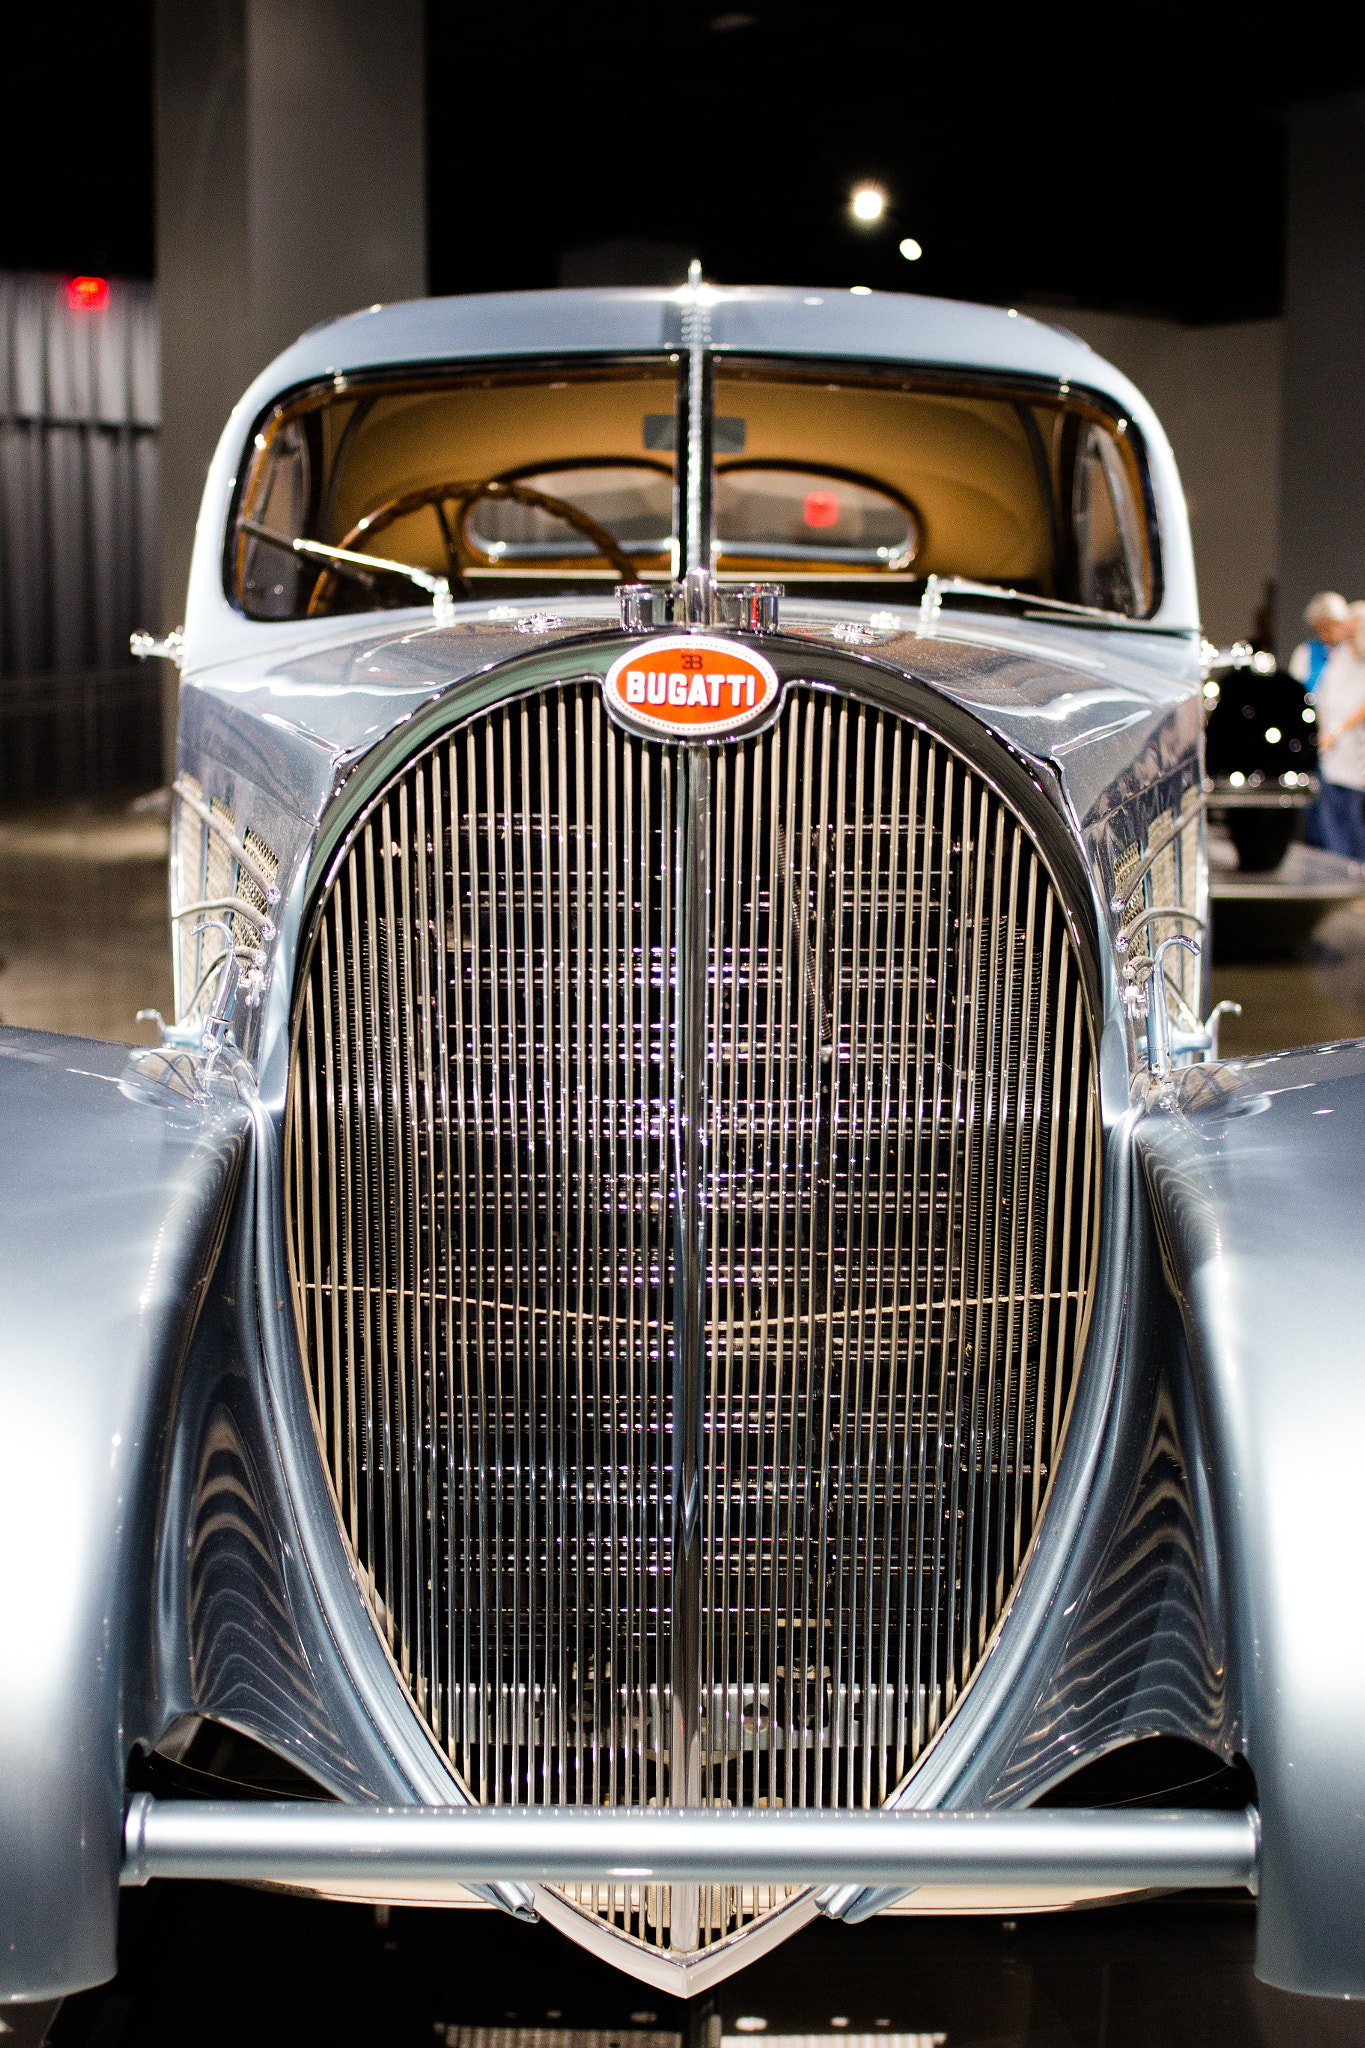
685, 1329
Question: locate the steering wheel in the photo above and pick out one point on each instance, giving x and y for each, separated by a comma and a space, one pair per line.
466, 496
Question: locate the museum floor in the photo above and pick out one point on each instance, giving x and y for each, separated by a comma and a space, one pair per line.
82, 947
83, 934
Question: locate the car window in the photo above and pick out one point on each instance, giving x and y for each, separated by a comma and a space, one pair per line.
633, 501
916, 478
534, 481
519, 478
1106, 526
771, 515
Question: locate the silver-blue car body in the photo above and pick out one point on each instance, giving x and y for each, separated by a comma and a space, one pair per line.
687, 1287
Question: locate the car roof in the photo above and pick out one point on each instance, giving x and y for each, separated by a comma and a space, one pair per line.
752, 319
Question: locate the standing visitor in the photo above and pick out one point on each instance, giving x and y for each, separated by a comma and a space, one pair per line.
1326, 617
1337, 819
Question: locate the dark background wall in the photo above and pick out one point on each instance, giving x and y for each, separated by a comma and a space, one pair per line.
290, 179
79, 533
1322, 500
1130, 159
1174, 186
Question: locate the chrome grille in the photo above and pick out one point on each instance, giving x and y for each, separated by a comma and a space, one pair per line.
801, 1017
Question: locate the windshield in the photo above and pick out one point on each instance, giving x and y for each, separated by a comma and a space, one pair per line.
532, 482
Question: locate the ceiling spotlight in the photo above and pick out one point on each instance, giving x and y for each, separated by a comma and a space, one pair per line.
869, 203
911, 250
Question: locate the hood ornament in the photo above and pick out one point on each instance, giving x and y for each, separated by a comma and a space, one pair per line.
697, 600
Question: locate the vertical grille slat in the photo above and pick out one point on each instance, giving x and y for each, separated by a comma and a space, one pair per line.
872, 1065
428, 1257
974, 941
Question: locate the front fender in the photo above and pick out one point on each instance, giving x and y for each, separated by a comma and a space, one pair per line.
116, 1187
1256, 1173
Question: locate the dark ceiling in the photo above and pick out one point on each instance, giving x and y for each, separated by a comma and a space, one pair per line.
1128, 158
76, 138
1125, 157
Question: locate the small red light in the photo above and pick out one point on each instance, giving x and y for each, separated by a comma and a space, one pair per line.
87, 294
822, 508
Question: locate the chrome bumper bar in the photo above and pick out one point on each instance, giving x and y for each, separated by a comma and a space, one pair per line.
304, 1843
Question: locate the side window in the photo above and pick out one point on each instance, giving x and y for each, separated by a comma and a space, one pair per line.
1107, 528
269, 575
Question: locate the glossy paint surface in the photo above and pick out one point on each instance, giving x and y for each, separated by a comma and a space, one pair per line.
1110, 721
1256, 1184
115, 1194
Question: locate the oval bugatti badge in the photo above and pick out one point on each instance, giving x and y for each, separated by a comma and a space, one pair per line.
690, 687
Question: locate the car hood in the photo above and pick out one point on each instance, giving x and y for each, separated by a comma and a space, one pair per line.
1110, 711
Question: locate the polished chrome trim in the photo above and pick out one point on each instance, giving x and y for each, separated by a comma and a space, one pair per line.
248, 864
1156, 847
238, 906
306, 1842
145, 646
855, 919
1158, 1020
690, 1153
699, 600
886, 560
694, 443
681, 1976
1123, 943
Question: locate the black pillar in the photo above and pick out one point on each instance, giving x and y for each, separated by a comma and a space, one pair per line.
291, 186
1322, 468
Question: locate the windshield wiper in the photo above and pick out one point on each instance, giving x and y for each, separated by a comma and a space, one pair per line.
1058, 609
442, 603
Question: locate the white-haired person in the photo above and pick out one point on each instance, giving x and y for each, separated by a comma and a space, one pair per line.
1337, 819
1327, 619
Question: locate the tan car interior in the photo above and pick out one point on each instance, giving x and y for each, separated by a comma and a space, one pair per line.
970, 466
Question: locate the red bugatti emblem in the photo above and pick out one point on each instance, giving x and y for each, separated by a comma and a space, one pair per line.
691, 687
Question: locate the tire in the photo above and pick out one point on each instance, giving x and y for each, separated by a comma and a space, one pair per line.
1262, 837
